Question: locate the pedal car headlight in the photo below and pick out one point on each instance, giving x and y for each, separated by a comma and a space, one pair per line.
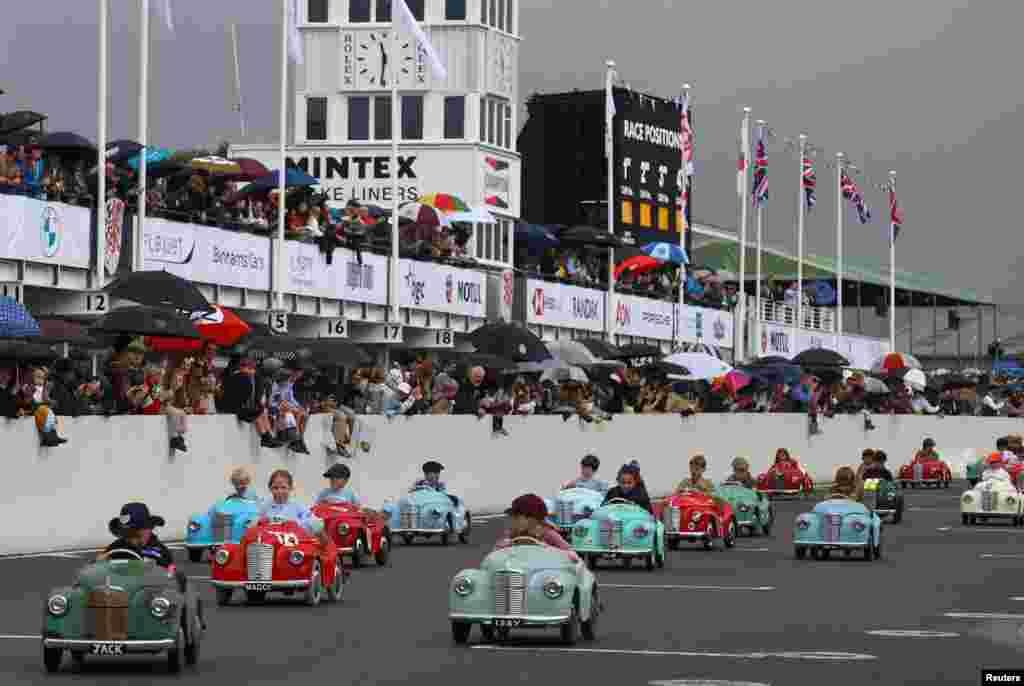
588, 510
553, 588
463, 586
641, 531
967, 499
296, 558
221, 557
344, 529
803, 524
160, 607
1010, 500
57, 606
858, 526
744, 508
435, 513
580, 531
194, 527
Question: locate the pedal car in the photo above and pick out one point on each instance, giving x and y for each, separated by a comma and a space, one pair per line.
838, 524
753, 511
698, 517
620, 530
355, 533
785, 479
122, 606
572, 505
231, 517
528, 585
992, 500
427, 512
278, 556
888, 501
926, 473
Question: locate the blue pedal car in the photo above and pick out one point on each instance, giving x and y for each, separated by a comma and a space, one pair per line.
620, 530
570, 506
230, 518
838, 524
426, 513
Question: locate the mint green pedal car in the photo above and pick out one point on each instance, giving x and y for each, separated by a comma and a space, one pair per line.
620, 530
529, 585
752, 510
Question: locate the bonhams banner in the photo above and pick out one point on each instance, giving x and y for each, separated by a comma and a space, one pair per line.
39, 231
207, 255
556, 304
440, 288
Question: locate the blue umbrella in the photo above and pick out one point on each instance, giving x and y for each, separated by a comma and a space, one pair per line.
824, 294
154, 156
15, 321
536, 235
666, 252
122, 150
294, 177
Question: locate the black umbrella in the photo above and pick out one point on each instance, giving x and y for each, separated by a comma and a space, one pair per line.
68, 144
589, 235
662, 367
147, 321
599, 348
634, 350
953, 381
331, 352
769, 360
23, 350
821, 357
269, 345
509, 341
56, 331
19, 138
122, 150
468, 360
159, 289
16, 121
773, 374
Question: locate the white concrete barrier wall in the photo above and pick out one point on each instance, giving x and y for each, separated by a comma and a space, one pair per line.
62, 498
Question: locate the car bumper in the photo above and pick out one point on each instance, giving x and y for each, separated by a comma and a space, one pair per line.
885, 511
831, 545
981, 513
419, 531
525, 621
124, 646
264, 585
785, 491
631, 552
924, 481
688, 535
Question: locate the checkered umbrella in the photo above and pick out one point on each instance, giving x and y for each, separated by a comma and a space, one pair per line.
15, 320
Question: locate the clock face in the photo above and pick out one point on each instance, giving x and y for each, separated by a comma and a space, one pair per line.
376, 67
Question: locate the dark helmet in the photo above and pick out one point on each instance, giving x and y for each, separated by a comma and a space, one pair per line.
432, 467
591, 461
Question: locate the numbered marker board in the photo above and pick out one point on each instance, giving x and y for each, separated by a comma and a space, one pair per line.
278, 322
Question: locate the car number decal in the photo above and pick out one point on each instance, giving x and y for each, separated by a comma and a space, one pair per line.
257, 587
507, 622
107, 649
285, 539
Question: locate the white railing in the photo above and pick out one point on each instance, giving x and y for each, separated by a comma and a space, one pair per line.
814, 318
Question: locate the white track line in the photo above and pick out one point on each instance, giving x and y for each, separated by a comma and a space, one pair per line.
910, 633
820, 656
689, 588
706, 682
71, 553
1006, 616
17, 637
1001, 556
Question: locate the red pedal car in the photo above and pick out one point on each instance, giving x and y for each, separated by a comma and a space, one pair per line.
355, 532
926, 473
698, 517
278, 557
785, 478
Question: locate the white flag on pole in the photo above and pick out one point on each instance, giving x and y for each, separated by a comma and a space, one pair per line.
295, 49
163, 7
609, 116
405, 15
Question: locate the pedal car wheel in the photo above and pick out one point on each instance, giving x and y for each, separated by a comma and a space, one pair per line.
709, 537
730, 535
766, 525
77, 661
337, 589
460, 632
195, 554
869, 551
973, 520
464, 534
407, 539
52, 657
487, 632
176, 653
649, 561
315, 586
570, 630
224, 596
592, 561
627, 562
659, 560
383, 554
673, 544
447, 535
192, 648
588, 629
847, 552
800, 552
964, 519
255, 597
897, 516
358, 550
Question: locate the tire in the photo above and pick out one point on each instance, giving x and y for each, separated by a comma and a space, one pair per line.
195, 554
659, 560
447, 535
903, 485
315, 589
824, 553
569, 632
383, 554
588, 629
358, 552
337, 590
965, 520
255, 597
729, 540
897, 516
869, 550
709, 542
460, 632
592, 562
649, 561
627, 563
673, 544
972, 520
77, 661
487, 633
464, 534
766, 526
800, 552
407, 539
192, 648
224, 596
176, 653
52, 657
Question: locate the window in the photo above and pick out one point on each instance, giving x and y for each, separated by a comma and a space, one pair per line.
501, 15
317, 11
358, 11
491, 107
483, 12
455, 117
508, 128
412, 117
492, 15
491, 241
382, 117
496, 122
497, 14
383, 11
508, 15
416, 7
359, 119
455, 10
316, 119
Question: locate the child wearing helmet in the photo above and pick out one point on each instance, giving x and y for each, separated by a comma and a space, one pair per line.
431, 477
588, 467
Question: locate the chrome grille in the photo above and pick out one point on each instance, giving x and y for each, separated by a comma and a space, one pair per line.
833, 523
409, 517
106, 616
610, 534
918, 472
509, 593
260, 562
564, 512
670, 518
989, 500
222, 524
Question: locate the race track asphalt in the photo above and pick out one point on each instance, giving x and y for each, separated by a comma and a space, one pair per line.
750, 615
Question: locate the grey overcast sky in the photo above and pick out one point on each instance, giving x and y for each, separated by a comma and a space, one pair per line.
929, 88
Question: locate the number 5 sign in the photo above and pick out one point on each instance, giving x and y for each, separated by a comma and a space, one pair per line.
278, 322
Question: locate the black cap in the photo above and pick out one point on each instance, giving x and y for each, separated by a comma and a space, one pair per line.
591, 461
633, 467
929, 443
338, 471
880, 456
1003, 443
134, 516
432, 467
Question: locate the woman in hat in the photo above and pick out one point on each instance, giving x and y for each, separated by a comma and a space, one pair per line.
527, 519
846, 485
281, 505
338, 492
134, 531
431, 477
630, 487
741, 472
588, 467
696, 481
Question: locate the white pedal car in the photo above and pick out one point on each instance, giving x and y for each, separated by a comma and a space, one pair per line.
994, 499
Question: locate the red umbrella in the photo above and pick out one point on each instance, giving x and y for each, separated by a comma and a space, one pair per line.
251, 169
221, 327
639, 264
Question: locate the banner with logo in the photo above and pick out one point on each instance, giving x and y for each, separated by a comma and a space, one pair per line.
556, 304
861, 351
706, 325
345, 278
644, 317
207, 255
39, 231
440, 288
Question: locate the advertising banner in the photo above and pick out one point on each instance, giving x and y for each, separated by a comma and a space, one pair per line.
207, 255
556, 304
440, 288
706, 325
345, 278
644, 317
861, 351
39, 231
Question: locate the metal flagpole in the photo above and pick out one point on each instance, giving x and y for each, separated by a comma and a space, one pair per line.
758, 309
609, 85
101, 144
839, 246
238, 79
140, 227
744, 192
279, 244
683, 231
892, 273
800, 218
395, 133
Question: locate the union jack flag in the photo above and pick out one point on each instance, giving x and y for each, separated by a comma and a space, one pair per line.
810, 183
895, 213
759, 195
853, 194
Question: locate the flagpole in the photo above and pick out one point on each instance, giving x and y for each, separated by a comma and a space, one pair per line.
395, 133
761, 123
839, 247
683, 229
892, 270
800, 241
238, 79
744, 192
609, 85
143, 128
101, 144
283, 133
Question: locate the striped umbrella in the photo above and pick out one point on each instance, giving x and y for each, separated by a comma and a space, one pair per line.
445, 202
418, 213
894, 362
666, 252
